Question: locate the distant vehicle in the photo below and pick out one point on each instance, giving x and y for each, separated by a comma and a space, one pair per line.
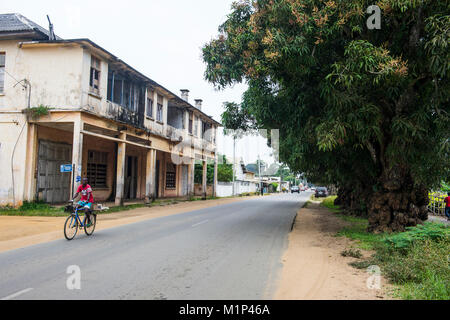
321, 192
302, 188
295, 189
313, 188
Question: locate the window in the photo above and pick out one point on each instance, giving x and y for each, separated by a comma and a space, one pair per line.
190, 122
97, 166
2, 72
195, 126
203, 130
149, 108
159, 110
94, 81
170, 176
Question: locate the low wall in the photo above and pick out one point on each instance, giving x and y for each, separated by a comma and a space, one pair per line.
225, 189
198, 190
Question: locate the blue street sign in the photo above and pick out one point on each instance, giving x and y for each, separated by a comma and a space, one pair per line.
66, 168
78, 178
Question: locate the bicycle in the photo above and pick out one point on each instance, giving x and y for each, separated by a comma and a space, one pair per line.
73, 222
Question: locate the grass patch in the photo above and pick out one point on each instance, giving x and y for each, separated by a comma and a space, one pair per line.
364, 264
357, 231
354, 253
420, 270
328, 202
415, 261
33, 209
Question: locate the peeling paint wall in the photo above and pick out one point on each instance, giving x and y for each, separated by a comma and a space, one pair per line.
13, 137
54, 74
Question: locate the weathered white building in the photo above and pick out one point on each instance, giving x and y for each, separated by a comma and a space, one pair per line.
71, 102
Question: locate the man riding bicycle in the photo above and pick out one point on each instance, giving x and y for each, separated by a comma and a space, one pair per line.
86, 200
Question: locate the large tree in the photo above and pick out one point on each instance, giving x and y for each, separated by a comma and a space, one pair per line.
367, 110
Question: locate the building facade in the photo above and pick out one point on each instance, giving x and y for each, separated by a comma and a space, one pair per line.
71, 102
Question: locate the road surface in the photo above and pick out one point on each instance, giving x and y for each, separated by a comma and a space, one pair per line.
231, 251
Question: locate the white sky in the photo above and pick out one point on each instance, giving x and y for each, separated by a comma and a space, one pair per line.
160, 38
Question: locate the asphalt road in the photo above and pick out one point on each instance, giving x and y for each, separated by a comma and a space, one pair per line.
231, 251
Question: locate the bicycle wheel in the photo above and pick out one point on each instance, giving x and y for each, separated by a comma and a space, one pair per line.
89, 228
70, 227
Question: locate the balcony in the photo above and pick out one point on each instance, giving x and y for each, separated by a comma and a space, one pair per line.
125, 115
174, 134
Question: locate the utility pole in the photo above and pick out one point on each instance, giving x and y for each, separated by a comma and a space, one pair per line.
259, 174
234, 161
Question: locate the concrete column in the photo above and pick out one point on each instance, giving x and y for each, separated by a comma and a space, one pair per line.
154, 192
155, 104
30, 163
215, 177
191, 165
149, 180
204, 177
77, 153
120, 180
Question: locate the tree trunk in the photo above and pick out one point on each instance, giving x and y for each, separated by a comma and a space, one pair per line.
399, 203
353, 200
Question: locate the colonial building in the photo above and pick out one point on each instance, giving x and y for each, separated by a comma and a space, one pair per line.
71, 102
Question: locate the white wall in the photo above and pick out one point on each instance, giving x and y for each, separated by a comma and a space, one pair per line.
12, 135
54, 74
225, 189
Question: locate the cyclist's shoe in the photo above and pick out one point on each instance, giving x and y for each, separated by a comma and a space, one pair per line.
88, 222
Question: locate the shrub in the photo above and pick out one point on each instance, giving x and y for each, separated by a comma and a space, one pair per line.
355, 253
427, 231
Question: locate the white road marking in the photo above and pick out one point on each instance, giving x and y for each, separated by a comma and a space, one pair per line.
197, 224
14, 295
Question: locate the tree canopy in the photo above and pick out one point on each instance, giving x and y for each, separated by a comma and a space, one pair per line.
366, 110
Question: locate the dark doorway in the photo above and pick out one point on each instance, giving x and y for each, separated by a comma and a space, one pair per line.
157, 180
130, 177
53, 186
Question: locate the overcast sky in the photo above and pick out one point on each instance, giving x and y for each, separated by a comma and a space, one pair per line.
160, 38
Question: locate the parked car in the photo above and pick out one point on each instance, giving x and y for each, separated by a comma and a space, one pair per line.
321, 192
313, 188
295, 189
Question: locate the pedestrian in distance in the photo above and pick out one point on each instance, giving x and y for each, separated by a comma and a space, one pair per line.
447, 206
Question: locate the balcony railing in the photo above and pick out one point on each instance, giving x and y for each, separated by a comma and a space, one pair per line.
174, 134
122, 114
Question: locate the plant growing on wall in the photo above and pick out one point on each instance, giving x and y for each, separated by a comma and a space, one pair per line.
37, 112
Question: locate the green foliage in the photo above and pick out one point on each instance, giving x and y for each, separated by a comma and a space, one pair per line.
198, 173
328, 202
38, 205
37, 112
33, 209
445, 187
427, 231
416, 260
224, 173
351, 104
354, 253
421, 271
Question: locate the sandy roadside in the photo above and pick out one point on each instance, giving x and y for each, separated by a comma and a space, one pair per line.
313, 268
18, 232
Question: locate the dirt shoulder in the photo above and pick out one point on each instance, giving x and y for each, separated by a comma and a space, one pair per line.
313, 267
18, 232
